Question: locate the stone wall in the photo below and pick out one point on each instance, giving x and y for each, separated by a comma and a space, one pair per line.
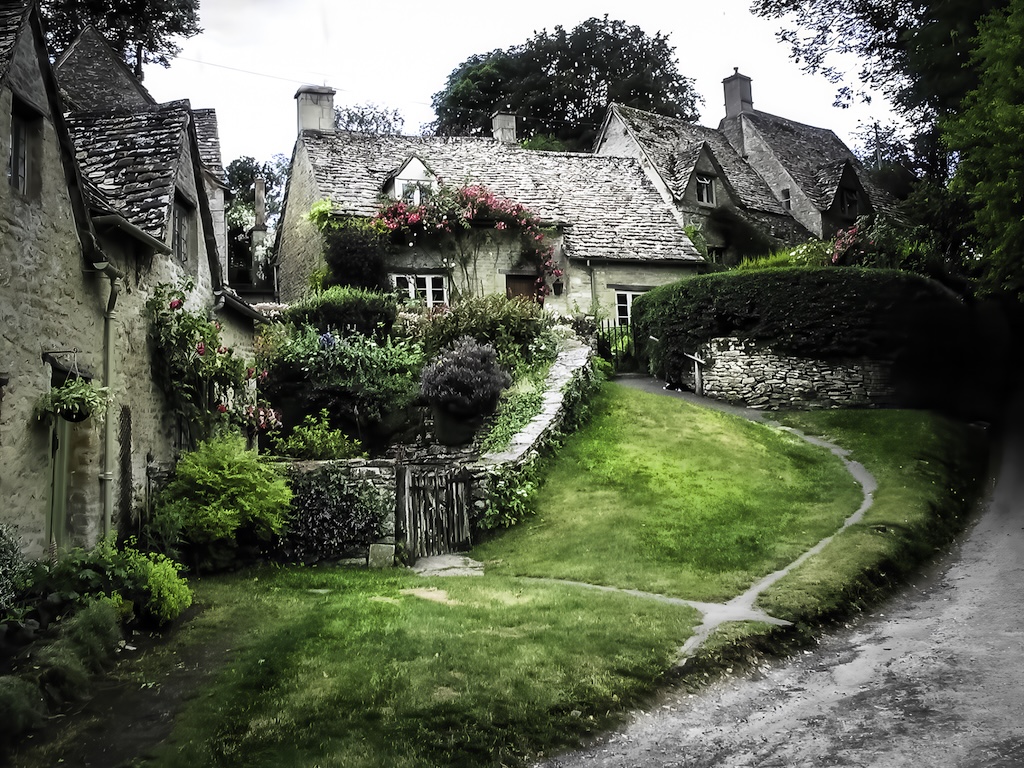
750, 374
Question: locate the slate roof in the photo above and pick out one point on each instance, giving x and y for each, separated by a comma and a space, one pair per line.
674, 145
814, 157
606, 206
131, 159
12, 17
93, 77
208, 133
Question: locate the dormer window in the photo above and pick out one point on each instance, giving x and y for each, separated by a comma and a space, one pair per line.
705, 189
416, 192
787, 199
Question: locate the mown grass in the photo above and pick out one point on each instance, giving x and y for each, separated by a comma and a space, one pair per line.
370, 669
660, 495
928, 470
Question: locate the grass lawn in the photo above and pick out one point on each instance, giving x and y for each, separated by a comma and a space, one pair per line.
660, 495
354, 668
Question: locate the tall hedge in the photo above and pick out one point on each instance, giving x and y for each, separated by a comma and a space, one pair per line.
822, 313
340, 307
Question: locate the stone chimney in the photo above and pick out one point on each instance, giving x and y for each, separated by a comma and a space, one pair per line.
737, 94
315, 106
503, 127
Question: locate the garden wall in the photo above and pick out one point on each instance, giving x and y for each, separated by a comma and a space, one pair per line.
745, 372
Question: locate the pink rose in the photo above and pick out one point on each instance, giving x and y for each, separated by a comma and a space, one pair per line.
176, 303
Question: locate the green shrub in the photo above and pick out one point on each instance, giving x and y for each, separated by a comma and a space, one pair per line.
340, 307
357, 379
22, 708
314, 439
93, 633
508, 325
465, 380
13, 568
218, 492
165, 594
332, 513
516, 408
813, 253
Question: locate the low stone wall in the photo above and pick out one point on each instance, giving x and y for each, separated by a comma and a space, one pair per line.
747, 373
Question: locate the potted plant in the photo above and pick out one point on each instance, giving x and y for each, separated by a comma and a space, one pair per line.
462, 386
75, 400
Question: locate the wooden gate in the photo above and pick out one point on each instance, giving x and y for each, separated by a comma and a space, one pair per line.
433, 509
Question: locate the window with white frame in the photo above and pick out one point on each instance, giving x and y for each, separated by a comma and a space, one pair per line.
705, 189
624, 306
787, 199
416, 192
432, 290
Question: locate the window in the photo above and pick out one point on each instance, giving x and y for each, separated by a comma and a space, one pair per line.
416, 192
716, 254
23, 163
624, 306
705, 189
181, 235
848, 202
787, 199
430, 289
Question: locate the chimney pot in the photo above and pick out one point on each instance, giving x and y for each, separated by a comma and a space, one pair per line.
738, 96
503, 127
315, 107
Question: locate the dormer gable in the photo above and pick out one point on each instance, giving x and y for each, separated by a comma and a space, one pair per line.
848, 196
414, 182
707, 184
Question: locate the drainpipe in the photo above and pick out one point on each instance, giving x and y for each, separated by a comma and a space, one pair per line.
107, 476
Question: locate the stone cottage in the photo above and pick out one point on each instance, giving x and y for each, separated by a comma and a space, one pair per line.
755, 183
614, 236
105, 200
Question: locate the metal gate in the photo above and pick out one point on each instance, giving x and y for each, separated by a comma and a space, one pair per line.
433, 509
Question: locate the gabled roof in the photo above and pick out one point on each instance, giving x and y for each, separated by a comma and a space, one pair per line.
93, 77
208, 134
814, 157
132, 160
606, 206
674, 145
12, 19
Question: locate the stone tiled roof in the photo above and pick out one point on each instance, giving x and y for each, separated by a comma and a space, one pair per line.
607, 207
674, 145
12, 16
814, 157
92, 77
208, 134
132, 160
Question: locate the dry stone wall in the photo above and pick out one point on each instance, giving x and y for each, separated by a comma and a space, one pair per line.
747, 373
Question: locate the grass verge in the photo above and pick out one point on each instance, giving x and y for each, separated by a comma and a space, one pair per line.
929, 471
660, 495
369, 669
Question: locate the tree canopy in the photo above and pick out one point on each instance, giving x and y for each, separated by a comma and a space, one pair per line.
560, 83
241, 176
141, 31
369, 118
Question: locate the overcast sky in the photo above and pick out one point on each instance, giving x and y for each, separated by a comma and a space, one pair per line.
254, 54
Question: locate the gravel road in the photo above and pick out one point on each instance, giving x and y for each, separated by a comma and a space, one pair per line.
934, 677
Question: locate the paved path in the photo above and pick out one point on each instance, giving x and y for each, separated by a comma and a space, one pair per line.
935, 677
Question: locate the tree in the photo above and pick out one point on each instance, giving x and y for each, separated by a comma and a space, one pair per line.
987, 136
369, 118
560, 83
141, 31
242, 174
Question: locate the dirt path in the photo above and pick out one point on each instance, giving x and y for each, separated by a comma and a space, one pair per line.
932, 678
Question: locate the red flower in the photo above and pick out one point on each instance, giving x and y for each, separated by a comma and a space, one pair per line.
200, 349
176, 303
222, 350
222, 408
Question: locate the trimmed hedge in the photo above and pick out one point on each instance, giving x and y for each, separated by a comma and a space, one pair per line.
817, 313
339, 307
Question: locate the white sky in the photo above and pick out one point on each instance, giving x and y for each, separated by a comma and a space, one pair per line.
254, 54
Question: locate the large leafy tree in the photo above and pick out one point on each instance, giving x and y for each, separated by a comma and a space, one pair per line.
242, 174
986, 134
142, 31
559, 83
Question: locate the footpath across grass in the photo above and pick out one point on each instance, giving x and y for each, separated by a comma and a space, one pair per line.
660, 495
